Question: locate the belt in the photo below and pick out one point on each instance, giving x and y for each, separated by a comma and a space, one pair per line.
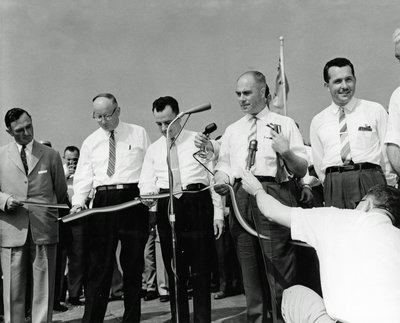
189, 187
116, 187
350, 167
262, 179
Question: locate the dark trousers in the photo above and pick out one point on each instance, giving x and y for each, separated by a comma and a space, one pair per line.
194, 231
276, 258
230, 278
344, 190
130, 226
76, 253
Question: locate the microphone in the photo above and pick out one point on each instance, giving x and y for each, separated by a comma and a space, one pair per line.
199, 108
251, 157
209, 129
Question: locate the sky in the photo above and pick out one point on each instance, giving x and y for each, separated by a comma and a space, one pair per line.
57, 55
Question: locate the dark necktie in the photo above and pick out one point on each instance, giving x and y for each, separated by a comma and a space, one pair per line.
344, 138
23, 158
111, 155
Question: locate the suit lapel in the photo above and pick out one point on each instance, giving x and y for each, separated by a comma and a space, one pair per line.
15, 157
37, 153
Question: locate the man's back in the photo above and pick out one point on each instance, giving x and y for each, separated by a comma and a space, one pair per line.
359, 258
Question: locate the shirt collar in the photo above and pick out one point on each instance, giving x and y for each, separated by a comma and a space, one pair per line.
261, 115
116, 130
28, 146
349, 107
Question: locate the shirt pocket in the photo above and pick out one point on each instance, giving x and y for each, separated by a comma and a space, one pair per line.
366, 139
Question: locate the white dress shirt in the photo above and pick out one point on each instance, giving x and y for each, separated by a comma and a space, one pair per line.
234, 147
132, 142
366, 126
393, 128
154, 174
359, 257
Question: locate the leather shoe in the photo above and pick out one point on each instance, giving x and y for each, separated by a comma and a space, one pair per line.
150, 295
219, 295
60, 308
75, 301
164, 298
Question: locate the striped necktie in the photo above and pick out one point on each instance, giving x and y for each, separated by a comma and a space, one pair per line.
253, 129
23, 158
344, 138
111, 155
174, 163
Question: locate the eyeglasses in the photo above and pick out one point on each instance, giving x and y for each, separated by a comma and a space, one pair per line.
106, 117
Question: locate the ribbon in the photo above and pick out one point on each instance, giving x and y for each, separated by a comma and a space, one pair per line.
137, 201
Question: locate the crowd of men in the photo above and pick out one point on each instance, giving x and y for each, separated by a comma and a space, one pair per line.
258, 168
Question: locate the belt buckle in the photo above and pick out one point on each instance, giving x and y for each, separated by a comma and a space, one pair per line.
119, 186
348, 167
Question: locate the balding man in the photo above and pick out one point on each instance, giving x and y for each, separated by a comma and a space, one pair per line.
392, 139
110, 162
280, 151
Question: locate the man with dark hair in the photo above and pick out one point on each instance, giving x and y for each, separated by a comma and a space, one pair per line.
195, 218
279, 143
392, 138
347, 139
110, 163
358, 251
29, 172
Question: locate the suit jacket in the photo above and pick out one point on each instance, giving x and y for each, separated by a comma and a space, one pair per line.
44, 183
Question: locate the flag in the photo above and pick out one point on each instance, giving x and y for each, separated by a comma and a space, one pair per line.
277, 102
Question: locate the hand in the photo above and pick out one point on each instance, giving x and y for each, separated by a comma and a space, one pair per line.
279, 143
201, 141
218, 228
71, 169
12, 203
306, 195
222, 181
149, 202
250, 183
75, 209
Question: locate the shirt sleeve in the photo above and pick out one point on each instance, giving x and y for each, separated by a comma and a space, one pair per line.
393, 129
382, 122
317, 151
147, 180
223, 163
83, 178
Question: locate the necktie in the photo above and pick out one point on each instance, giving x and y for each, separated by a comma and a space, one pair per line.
252, 132
344, 138
253, 129
23, 158
111, 155
174, 163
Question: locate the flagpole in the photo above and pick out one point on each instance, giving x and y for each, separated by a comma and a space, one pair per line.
283, 75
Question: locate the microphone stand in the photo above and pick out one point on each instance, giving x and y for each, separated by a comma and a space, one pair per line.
172, 218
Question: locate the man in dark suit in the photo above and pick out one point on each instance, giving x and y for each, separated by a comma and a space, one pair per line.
29, 172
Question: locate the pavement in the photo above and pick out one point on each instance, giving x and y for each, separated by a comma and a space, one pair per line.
227, 310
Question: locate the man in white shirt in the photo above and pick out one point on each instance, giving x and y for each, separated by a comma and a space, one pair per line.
347, 139
358, 251
110, 162
274, 149
194, 213
392, 139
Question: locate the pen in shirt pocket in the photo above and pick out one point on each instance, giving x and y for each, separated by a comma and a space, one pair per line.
129, 147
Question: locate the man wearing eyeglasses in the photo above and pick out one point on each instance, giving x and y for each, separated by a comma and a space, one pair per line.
110, 163
358, 251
